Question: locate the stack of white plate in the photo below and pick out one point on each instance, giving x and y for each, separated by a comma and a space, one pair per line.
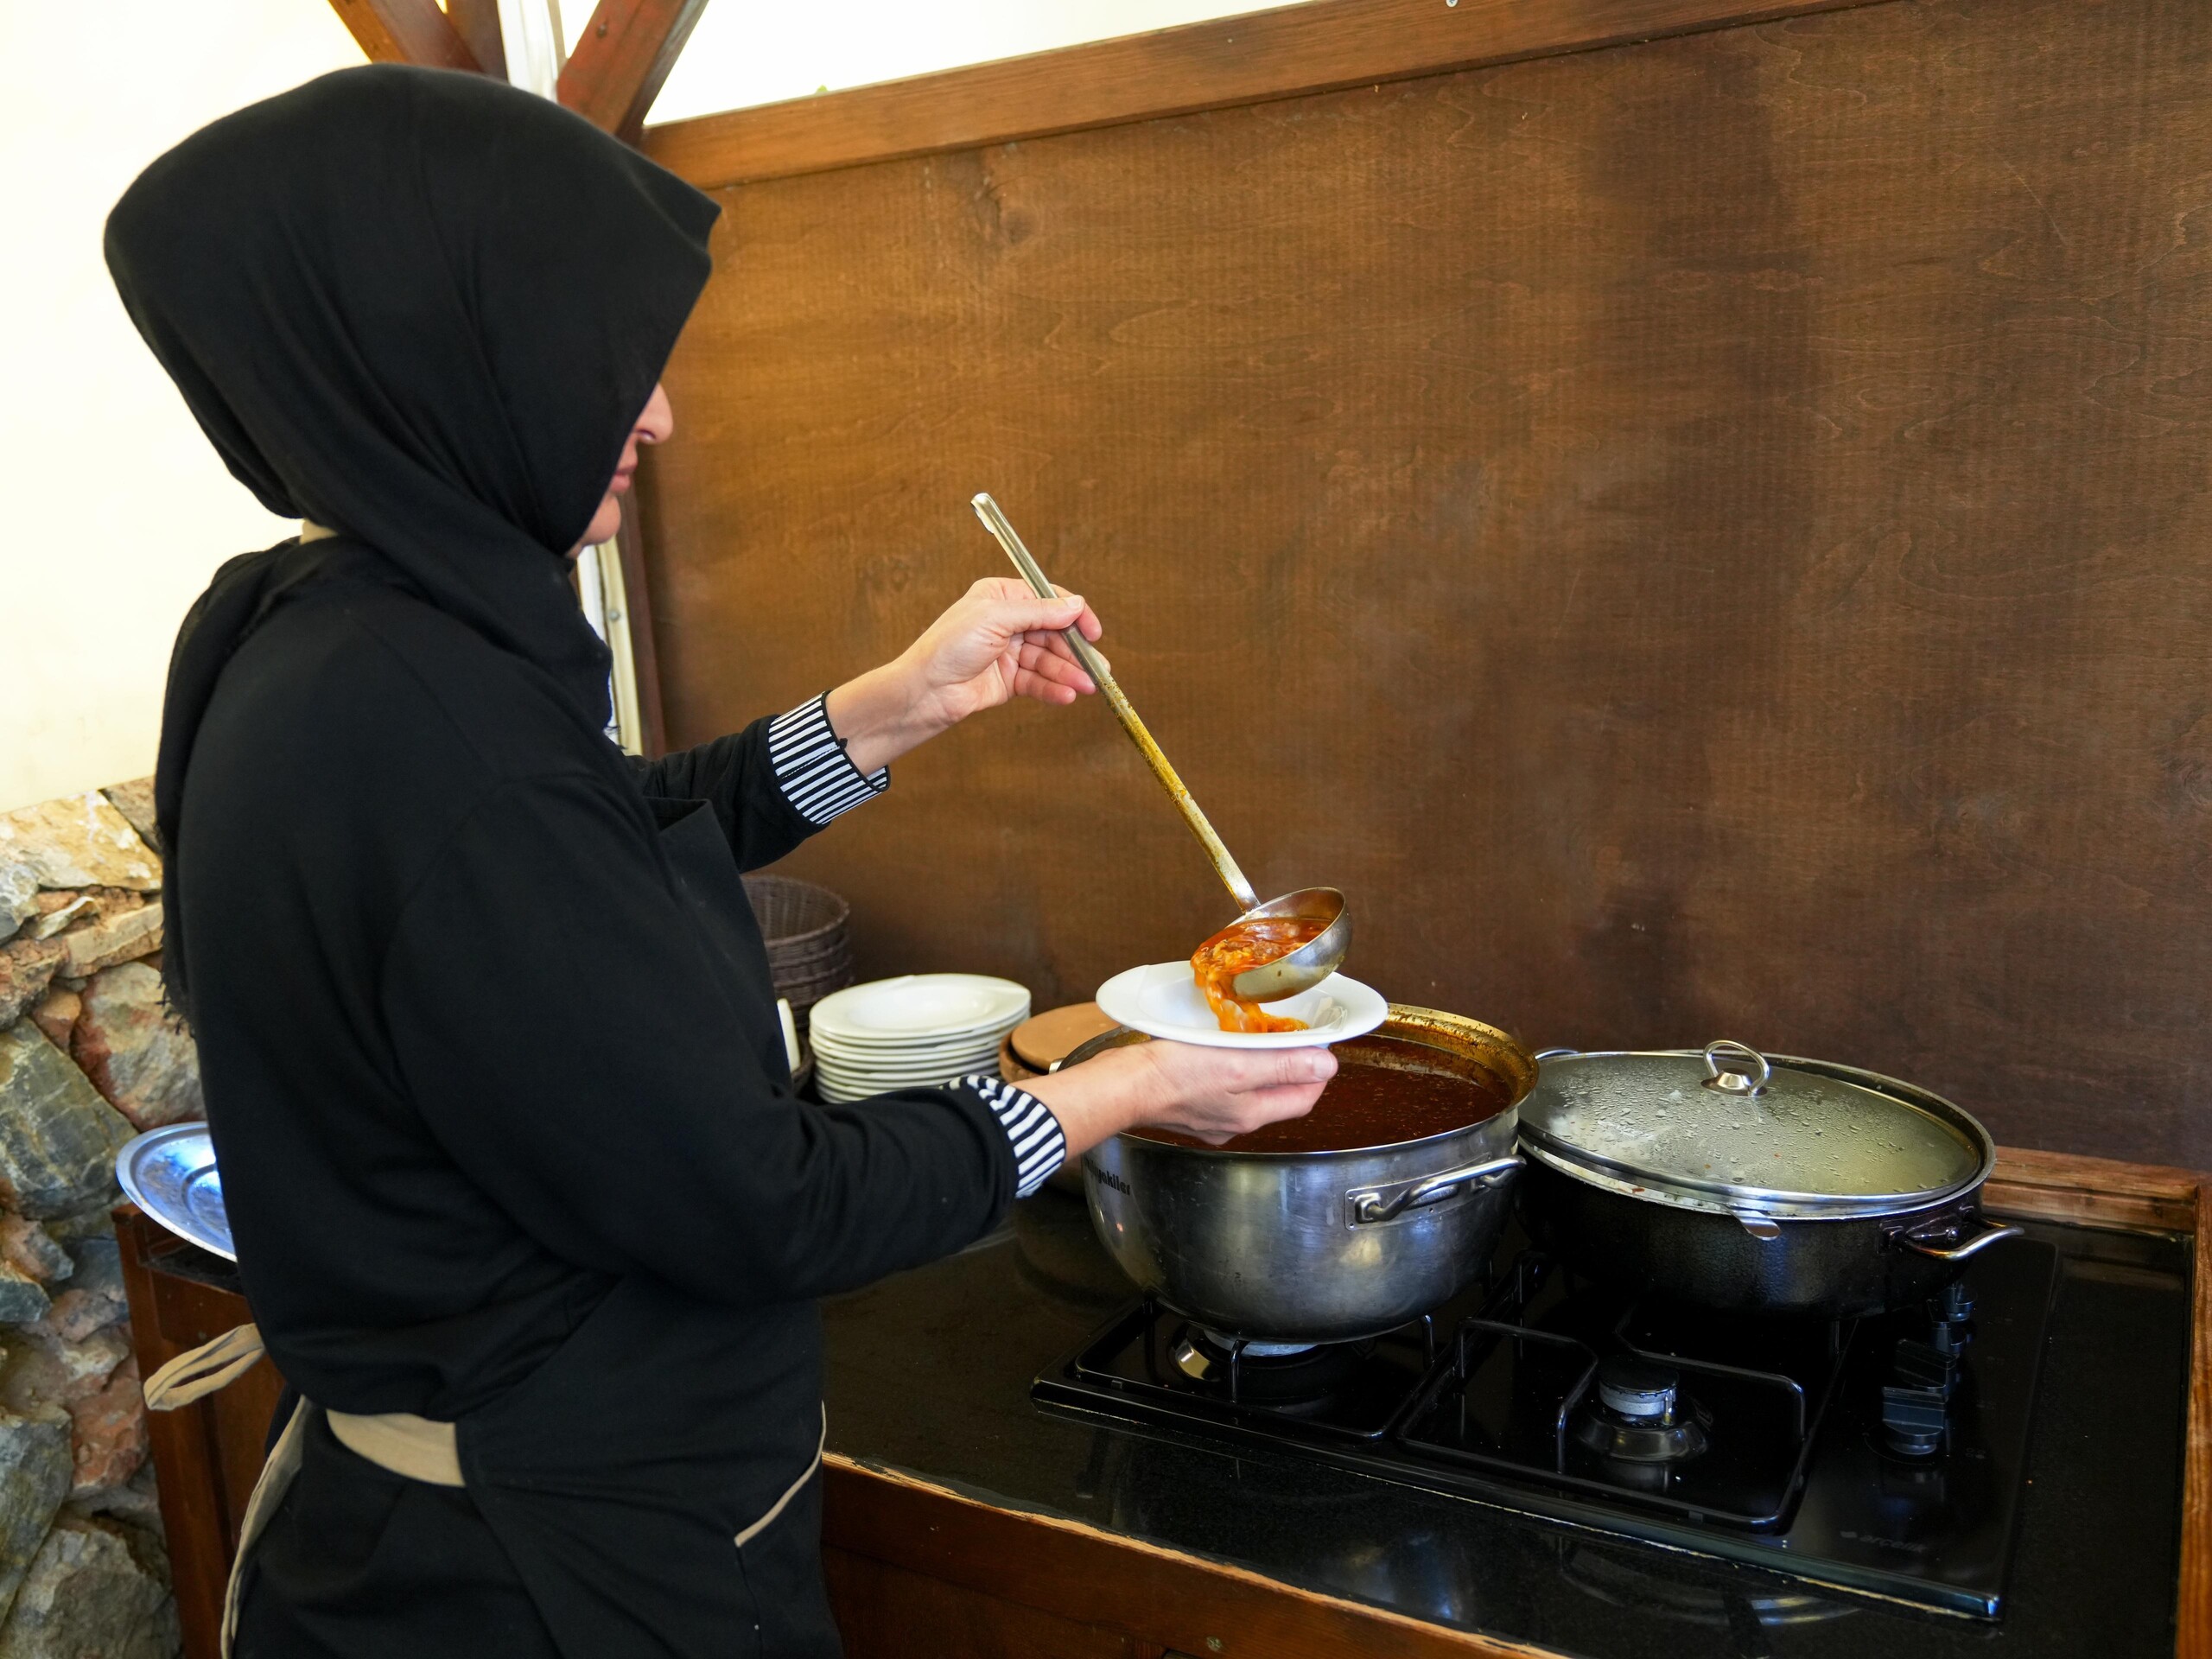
917, 1031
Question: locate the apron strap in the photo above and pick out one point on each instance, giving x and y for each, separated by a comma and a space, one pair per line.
398, 1440
276, 1476
418, 1447
199, 1371
790, 1492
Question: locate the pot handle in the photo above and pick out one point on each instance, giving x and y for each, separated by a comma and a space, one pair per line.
1992, 1231
1366, 1204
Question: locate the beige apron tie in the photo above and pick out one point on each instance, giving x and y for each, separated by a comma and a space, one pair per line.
277, 1477
416, 1448
790, 1492
199, 1371
406, 1445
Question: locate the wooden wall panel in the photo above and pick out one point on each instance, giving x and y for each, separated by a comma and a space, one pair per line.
1312, 46
1698, 539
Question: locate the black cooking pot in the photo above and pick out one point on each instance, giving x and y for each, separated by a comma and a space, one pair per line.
1732, 1181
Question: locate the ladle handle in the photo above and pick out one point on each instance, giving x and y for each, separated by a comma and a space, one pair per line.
1094, 666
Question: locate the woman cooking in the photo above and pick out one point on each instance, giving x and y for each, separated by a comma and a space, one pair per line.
527, 1211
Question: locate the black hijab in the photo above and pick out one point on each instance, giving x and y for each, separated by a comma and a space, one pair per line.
423, 309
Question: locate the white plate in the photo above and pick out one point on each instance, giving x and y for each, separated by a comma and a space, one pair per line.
956, 1043
989, 1036
909, 1062
842, 1094
1162, 999
953, 1068
930, 1079
894, 1074
873, 1053
926, 1006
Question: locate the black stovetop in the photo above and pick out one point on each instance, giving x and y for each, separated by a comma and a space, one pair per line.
1885, 1455
931, 1372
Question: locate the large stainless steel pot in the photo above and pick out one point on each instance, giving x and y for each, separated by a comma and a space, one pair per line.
1318, 1246
1732, 1180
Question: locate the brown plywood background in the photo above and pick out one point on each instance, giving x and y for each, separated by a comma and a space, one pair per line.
1701, 538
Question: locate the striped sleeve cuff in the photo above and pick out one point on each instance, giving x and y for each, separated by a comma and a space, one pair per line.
817, 777
1032, 1130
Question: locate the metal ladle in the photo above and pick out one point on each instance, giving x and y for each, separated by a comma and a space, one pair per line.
1270, 982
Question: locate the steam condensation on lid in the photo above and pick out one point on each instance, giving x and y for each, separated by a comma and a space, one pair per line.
1653, 1115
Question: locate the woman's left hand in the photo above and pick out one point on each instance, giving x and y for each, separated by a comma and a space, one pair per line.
999, 641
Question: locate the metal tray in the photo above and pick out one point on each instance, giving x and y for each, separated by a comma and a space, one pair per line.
170, 1174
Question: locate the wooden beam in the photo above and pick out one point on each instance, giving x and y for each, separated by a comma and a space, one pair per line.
621, 59
1320, 45
477, 21
405, 31
2193, 1620
2092, 1192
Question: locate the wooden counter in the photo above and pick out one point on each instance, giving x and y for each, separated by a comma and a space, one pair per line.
917, 1570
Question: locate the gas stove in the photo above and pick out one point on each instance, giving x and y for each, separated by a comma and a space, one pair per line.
1884, 1455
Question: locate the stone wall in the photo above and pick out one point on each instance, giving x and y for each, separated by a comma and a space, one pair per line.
89, 1056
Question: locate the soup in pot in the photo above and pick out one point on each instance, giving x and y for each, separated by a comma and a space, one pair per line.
1386, 1090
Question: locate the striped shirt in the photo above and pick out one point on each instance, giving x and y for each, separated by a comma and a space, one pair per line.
821, 782
818, 778
1032, 1131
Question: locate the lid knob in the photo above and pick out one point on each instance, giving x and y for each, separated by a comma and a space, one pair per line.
1729, 1080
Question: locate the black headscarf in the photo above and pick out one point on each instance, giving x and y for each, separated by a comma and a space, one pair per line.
421, 307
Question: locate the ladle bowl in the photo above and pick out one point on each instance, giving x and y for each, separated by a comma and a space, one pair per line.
1313, 960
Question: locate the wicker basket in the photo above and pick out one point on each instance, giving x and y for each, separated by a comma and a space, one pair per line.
795, 916
806, 929
811, 963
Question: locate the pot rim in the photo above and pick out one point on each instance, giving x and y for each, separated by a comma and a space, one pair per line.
1770, 1204
1412, 1021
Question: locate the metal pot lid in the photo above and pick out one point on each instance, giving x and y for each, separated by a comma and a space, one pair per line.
1730, 1129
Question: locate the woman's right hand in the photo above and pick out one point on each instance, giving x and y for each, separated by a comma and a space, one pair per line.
1213, 1094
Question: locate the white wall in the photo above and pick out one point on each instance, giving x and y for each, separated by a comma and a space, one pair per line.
748, 52
118, 510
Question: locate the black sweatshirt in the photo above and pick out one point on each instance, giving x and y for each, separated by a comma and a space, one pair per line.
469, 1058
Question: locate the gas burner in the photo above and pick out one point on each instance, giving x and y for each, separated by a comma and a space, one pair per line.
1223, 1342
1923, 1376
1283, 1374
1950, 1319
1640, 1416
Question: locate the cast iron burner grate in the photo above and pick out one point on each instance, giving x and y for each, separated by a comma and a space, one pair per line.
1152, 1357
1525, 1395
1887, 1455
